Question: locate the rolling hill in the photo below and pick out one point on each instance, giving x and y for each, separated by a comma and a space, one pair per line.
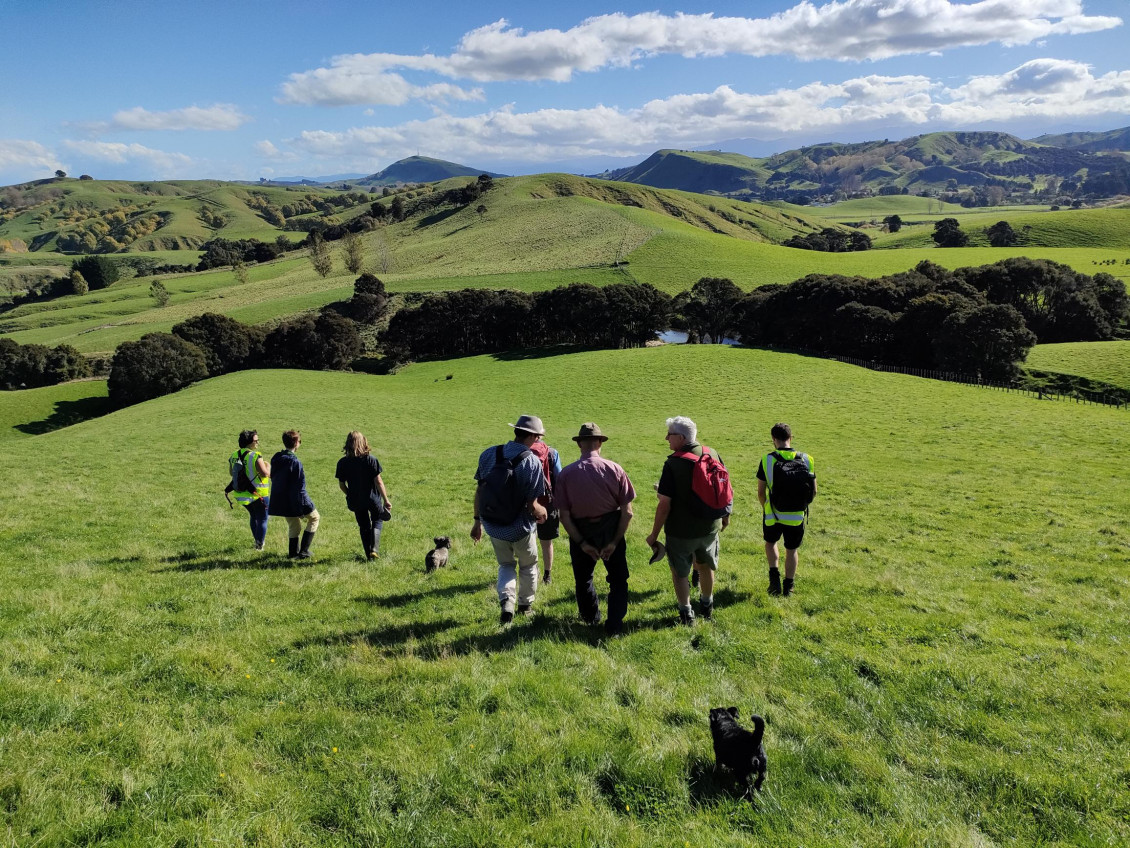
420, 169
933, 161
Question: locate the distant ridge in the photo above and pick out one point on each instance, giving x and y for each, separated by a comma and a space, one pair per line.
420, 169
935, 162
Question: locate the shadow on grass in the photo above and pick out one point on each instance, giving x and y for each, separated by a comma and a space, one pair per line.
437, 217
708, 788
66, 413
187, 561
540, 352
411, 597
391, 638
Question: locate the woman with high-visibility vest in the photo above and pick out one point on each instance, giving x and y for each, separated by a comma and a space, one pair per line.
250, 484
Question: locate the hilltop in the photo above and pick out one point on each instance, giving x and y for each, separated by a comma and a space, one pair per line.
984, 165
420, 169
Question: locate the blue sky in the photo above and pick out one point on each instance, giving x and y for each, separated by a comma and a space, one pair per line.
242, 90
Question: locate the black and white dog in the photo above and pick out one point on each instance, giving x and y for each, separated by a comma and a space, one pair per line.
437, 557
738, 749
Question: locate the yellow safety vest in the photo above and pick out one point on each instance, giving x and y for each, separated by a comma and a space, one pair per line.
772, 516
250, 461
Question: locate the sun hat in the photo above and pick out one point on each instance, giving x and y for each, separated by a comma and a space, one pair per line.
529, 423
590, 431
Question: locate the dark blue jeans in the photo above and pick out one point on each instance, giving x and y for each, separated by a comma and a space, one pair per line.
370, 524
588, 605
257, 510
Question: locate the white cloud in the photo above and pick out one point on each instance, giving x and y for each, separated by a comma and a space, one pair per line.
222, 116
362, 80
16, 154
166, 164
849, 30
1044, 88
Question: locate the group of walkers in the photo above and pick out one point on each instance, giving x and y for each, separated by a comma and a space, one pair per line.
523, 496
280, 489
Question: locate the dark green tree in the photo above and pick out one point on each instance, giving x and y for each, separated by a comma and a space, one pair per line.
987, 341
370, 300
156, 364
227, 344
98, 271
948, 233
709, 310
893, 222
1001, 234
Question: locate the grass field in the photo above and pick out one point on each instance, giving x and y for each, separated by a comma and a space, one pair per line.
1107, 362
952, 669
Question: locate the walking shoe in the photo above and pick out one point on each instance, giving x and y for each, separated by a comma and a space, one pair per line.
547, 577
706, 609
686, 617
260, 545
374, 555
658, 551
595, 620
612, 629
787, 589
774, 581
506, 617
523, 609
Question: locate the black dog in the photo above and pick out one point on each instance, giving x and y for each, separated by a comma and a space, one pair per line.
437, 558
738, 749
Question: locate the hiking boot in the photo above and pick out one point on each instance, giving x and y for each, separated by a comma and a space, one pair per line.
787, 589
774, 581
293, 548
374, 555
304, 549
686, 617
547, 577
595, 620
612, 629
706, 609
523, 609
260, 545
506, 617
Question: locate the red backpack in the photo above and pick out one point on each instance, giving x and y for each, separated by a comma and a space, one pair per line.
710, 485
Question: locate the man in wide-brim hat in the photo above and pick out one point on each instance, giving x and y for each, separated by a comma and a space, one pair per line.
595, 498
509, 482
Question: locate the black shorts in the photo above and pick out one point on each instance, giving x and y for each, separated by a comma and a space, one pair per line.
794, 534
549, 529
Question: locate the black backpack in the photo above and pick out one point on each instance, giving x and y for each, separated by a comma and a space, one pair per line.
500, 502
794, 486
239, 479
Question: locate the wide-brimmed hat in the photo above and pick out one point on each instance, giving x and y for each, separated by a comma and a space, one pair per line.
529, 423
590, 431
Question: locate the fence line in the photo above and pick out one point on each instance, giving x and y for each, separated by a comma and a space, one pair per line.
1078, 395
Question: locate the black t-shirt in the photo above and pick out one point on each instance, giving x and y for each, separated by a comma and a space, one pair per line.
359, 475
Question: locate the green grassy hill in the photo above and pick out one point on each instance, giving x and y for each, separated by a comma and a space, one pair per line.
120, 216
1106, 362
950, 671
540, 232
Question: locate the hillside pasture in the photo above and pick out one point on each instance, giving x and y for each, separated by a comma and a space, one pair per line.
1105, 362
952, 669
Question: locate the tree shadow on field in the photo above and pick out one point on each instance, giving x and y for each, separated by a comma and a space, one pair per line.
390, 638
729, 597
411, 597
187, 561
437, 217
66, 413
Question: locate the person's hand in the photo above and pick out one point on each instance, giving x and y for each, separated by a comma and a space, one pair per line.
590, 550
608, 550
477, 531
725, 521
651, 540
539, 513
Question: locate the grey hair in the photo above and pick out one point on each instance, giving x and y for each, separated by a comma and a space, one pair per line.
683, 426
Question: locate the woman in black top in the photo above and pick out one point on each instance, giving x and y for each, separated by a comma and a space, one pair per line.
359, 476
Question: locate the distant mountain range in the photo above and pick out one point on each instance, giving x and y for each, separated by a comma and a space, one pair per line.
1095, 163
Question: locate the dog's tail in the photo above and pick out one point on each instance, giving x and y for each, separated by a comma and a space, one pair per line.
758, 730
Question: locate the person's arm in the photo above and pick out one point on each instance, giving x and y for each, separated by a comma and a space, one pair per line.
621, 529
264, 469
380, 484
344, 488
477, 527
575, 534
662, 510
761, 494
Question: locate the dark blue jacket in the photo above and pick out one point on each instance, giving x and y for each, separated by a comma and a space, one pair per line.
288, 486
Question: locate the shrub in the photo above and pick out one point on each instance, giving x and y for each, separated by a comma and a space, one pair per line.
227, 344
98, 271
156, 364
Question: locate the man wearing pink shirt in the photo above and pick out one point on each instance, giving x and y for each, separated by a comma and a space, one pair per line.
595, 498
